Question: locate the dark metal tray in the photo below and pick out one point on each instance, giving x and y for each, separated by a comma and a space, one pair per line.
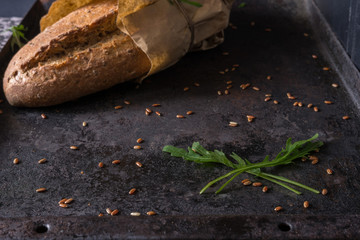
170, 186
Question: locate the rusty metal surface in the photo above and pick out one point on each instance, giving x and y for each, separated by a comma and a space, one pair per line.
170, 186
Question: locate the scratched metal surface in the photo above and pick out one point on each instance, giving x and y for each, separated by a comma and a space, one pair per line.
169, 185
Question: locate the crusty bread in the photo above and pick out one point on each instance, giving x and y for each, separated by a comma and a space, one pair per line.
80, 54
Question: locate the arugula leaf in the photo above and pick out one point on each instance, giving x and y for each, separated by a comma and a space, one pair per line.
17, 35
292, 151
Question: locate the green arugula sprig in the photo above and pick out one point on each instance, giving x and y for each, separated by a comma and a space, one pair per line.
292, 151
17, 35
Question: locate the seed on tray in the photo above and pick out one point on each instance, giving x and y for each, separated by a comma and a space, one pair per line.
116, 162
101, 164
219, 93
197, 84
135, 214
324, 191
328, 102
278, 208
267, 99
345, 117
225, 53
256, 88
316, 109
180, 116
147, 113
63, 205
156, 105
306, 34
222, 72
306, 204
41, 190
158, 113
69, 200
226, 70
252, 24
84, 124
303, 159
43, 116
108, 210
62, 200
113, 213
276, 102
295, 104
229, 82
236, 65
244, 86
74, 147
148, 110
314, 56
186, 89
43, 160
315, 161
309, 105
82, 172
269, 77
139, 164
137, 147
326, 68
233, 124
127, 102
268, 95
118, 107
139, 140
100, 215
335, 85
268, 29
329, 171
290, 96
151, 213
189, 112
132, 191
1, 111
16, 161
250, 118
247, 183
265, 189
227, 92
245, 180
300, 104
229, 86
257, 184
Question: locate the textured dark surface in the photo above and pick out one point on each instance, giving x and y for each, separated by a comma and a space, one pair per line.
170, 186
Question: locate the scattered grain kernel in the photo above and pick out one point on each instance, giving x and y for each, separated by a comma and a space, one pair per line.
314, 56
233, 124
74, 148
278, 208
236, 65
265, 189
101, 164
229, 82
328, 102
324, 191
127, 102
219, 93
158, 113
108, 210
139, 140
247, 183
335, 85
229, 86
189, 112
116, 162
197, 84
306, 34
139, 164
300, 104
276, 102
151, 213
268, 29
306, 204
63, 205
269, 77
233, 69
67, 201
256, 88
82, 172
252, 24
16, 161
132, 191
156, 105
268, 95
303, 159
180, 116
84, 124
222, 72
326, 68
186, 89
100, 215
315, 161
148, 110
257, 184
345, 117
309, 105
118, 107
41, 189
329, 171
43, 160
312, 157
43, 116
113, 213
250, 118
137, 147
226, 70
135, 214
62, 200
227, 92
316, 109
267, 99
244, 86
1, 111
225, 53
292, 97
245, 180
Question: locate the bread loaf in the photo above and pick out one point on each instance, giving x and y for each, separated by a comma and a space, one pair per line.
80, 54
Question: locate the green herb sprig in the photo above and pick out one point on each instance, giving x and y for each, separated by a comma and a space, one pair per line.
292, 151
196, 4
17, 35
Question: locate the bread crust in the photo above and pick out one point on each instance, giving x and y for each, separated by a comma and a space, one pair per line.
80, 54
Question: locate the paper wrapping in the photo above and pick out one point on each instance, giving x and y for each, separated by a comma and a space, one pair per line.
164, 29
